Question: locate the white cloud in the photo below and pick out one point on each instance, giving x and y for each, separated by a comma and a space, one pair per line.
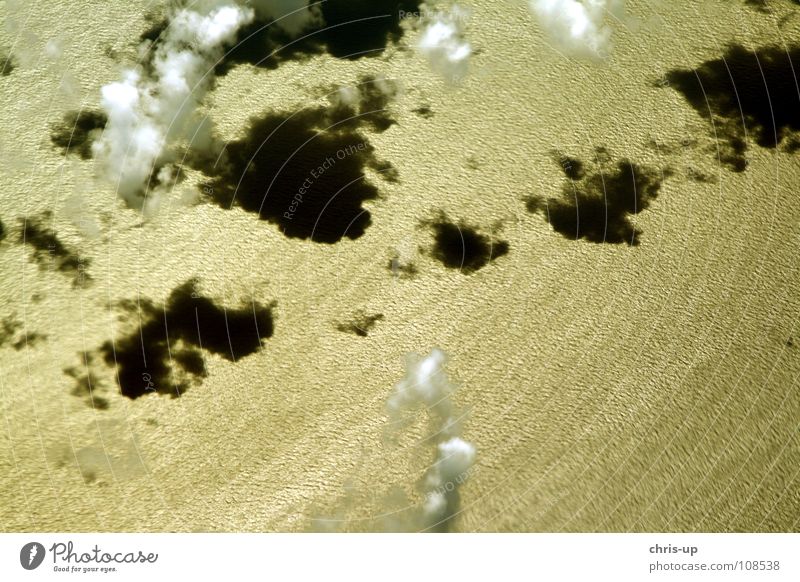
577, 27
148, 113
443, 44
426, 385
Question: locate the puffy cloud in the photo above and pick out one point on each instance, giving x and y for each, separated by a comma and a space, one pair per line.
426, 385
577, 27
153, 108
443, 44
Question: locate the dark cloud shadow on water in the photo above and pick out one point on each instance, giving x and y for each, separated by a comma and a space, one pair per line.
7, 64
573, 168
360, 324
424, 111
15, 334
49, 252
352, 29
597, 205
763, 5
356, 28
747, 95
462, 246
164, 353
348, 29
76, 132
86, 382
304, 171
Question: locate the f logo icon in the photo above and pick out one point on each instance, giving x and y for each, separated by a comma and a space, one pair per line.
31, 555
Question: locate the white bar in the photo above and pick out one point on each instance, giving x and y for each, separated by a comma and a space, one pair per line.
389, 557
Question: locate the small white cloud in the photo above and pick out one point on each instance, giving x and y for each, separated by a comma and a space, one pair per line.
443, 44
426, 385
577, 27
